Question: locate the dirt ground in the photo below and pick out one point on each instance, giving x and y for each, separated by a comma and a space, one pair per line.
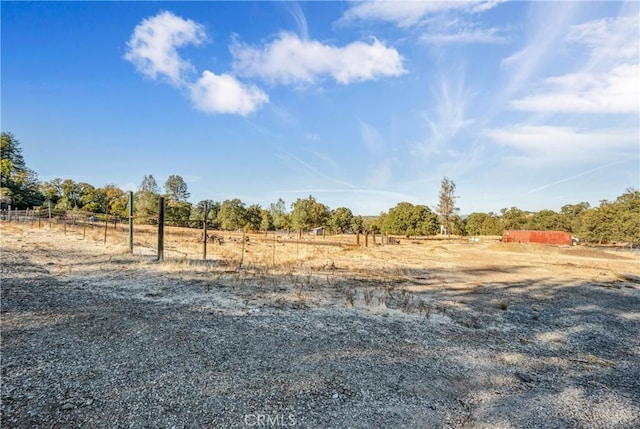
419, 335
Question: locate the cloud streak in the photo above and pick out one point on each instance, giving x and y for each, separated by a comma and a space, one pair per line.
608, 83
406, 14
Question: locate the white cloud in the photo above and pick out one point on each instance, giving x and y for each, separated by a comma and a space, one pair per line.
617, 91
154, 42
225, 94
153, 49
291, 60
409, 13
609, 37
547, 145
608, 83
489, 35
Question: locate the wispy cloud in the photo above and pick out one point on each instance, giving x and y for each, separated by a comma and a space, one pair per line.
546, 31
572, 177
410, 13
616, 91
553, 145
288, 59
300, 20
448, 118
610, 80
466, 35
153, 49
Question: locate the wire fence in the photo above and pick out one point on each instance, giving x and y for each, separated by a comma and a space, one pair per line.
240, 248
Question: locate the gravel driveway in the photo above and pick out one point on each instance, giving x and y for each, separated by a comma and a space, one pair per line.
95, 338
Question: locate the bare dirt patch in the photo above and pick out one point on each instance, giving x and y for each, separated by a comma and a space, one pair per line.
436, 334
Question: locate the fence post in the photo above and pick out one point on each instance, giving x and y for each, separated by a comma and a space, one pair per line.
106, 225
49, 214
204, 232
244, 234
131, 222
65, 222
273, 255
366, 239
161, 229
373, 233
358, 238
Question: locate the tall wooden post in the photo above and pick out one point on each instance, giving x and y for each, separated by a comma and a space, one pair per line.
49, 214
244, 235
131, 222
366, 239
204, 233
106, 225
161, 229
358, 238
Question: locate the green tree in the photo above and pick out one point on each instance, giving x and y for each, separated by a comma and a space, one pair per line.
253, 218
492, 225
213, 208
266, 223
278, 211
617, 221
176, 188
232, 215
178, 213
407, 219
474, 222
19, 186
341, 220
514, 218
308, 213
548, 220
573, 215
52, 190
146, 201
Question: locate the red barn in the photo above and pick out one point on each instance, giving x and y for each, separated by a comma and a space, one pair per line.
544, 237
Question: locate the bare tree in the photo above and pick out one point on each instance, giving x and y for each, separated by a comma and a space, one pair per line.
447, 205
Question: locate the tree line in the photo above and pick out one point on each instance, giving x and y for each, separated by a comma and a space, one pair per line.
611, 221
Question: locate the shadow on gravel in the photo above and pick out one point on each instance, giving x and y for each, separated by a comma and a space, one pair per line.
531, 354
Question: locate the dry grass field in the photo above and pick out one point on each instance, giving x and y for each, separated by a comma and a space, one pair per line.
316, 333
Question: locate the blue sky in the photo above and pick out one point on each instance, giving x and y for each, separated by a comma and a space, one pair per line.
361, 104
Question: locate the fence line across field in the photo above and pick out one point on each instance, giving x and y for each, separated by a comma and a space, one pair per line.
152, 236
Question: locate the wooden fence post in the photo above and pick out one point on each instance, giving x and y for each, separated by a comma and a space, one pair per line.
366, 239
244, 233
204, 232
161, 229
131, 222
358, 238
106, 225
